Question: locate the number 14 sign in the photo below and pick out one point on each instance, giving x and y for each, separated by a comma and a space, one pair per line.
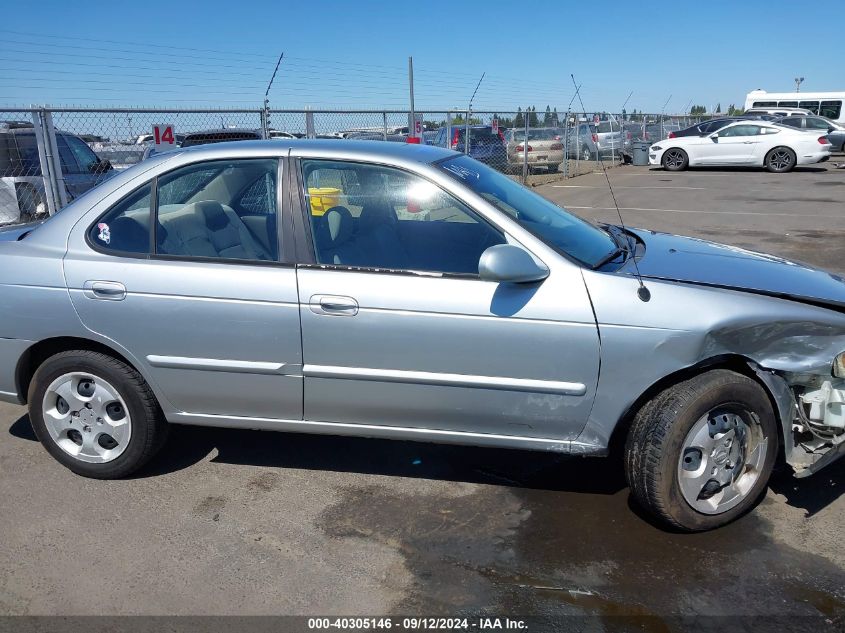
164, 137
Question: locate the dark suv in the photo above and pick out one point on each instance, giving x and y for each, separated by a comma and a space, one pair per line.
485, 144
22, 197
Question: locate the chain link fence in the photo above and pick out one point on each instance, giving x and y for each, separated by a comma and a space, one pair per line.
48, 157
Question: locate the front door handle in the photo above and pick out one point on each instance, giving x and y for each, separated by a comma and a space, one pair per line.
105, 290
334, 305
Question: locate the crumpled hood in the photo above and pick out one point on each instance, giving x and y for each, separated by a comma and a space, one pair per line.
694, 260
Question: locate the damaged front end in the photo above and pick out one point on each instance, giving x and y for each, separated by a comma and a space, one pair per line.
812, 412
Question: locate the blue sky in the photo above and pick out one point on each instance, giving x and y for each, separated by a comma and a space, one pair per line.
354, 54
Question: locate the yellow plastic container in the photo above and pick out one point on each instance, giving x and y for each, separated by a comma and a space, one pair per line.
323, 199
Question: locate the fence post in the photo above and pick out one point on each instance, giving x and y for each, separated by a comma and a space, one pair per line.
384, 124
45, 162
264, 115
309, 125
50, 138
525, 150
449, 129
466, 134
566, 146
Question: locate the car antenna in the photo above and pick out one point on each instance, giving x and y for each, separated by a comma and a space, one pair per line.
642, 292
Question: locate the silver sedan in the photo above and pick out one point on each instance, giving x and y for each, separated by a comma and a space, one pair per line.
410, 292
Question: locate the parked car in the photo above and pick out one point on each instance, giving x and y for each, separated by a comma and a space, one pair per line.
608, 137
743, 143
220, 135
280, 134
778, 112
704, 128
485, 144
821, 125
544, 149
502, 320
23, 198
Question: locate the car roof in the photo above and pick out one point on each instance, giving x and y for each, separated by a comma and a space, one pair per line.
366, 149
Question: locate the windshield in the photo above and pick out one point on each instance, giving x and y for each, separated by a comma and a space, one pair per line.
559, 229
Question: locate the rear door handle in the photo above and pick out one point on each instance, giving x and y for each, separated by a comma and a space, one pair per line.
105, 290
334, 305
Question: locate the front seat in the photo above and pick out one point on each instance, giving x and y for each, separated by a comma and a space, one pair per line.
334, 237
379, 236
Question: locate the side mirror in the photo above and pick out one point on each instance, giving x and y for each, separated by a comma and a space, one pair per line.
510, 264
714, 137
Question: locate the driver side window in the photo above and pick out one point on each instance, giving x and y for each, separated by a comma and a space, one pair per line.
740, 130
379, 217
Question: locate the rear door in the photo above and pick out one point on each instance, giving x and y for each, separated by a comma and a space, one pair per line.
203, 303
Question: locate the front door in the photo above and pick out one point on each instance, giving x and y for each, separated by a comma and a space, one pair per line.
210, 314
735, 145
399, 330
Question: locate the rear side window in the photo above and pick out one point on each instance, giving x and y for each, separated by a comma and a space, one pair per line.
791, 121
23, 155
817, 124
830, 109
126, 226
607, 126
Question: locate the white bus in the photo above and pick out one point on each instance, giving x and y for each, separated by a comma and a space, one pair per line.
826, 104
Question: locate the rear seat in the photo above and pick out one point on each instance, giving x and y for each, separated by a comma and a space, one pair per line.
208, 229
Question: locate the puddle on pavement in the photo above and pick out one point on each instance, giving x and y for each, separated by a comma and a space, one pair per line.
562, 539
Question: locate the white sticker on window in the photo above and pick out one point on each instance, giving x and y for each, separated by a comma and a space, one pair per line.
104, 235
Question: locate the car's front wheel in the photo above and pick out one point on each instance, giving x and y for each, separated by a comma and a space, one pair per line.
95, 414
675, 159
700, 453
780, 160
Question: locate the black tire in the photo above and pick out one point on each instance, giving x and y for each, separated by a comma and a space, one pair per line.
674, 159
553, 168
780, 160
657, 435
586, 153
149, 429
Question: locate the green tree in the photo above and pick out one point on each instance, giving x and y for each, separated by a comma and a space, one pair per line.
547, 117
533, 121
555, 118
519, 121
718, 108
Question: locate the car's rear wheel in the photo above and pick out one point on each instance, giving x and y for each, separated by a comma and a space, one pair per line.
700, 453
586, 153
780, 160
675, 159
95, 414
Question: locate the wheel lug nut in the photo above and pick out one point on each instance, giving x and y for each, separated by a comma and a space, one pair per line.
99, 420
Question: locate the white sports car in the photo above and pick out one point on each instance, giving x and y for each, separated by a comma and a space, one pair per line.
744, 143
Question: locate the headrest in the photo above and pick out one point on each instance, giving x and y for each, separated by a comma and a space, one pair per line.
215, 215
334, 228
376, 213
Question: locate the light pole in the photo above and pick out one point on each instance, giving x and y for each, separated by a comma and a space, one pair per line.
798, 82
